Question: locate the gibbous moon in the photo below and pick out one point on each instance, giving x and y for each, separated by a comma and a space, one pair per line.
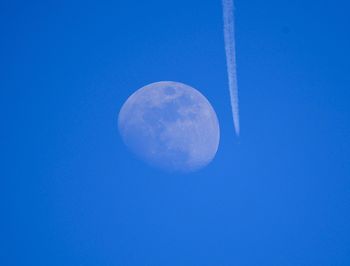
171, 126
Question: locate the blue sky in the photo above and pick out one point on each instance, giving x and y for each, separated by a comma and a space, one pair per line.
74, 195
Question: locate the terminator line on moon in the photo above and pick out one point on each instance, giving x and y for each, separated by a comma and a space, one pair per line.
170, 125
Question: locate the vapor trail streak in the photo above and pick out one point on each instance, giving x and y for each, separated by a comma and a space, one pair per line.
230, 47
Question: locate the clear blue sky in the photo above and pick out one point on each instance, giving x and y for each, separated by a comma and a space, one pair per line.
277, 195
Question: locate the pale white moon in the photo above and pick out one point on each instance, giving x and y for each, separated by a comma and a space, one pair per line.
171, 126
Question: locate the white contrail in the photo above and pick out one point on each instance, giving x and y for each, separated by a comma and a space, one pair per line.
230, 47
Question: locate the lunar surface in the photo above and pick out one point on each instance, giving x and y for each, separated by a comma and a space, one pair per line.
171, 126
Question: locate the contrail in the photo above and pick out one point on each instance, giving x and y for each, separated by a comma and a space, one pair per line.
230, 47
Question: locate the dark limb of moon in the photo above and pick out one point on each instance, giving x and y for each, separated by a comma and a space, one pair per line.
171, 126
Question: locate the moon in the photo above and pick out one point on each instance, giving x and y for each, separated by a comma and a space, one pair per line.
171, 126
